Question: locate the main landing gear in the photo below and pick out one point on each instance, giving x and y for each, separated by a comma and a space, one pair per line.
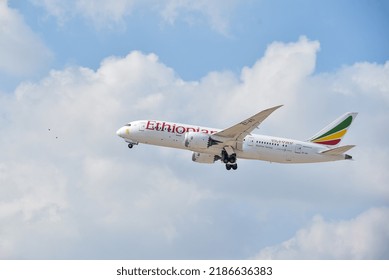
233, 166
229, 160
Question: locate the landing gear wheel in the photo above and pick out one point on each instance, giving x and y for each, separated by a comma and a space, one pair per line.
130, 146
229, 158
224, 157
231, 166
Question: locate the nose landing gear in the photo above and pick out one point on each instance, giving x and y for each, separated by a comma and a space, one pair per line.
131, 144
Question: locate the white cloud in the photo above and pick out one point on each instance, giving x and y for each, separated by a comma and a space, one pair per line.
78, 187
34, 200
277, 77
22, 52
99, 12
41, 186
102, 13
62, 158
364, 237
365, 78
216, 13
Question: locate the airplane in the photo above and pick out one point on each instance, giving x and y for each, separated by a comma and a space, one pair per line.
209, 145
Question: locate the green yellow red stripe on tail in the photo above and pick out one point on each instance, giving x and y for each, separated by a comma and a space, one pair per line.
333, 133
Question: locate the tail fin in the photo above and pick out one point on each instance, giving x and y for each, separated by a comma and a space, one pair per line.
333, 133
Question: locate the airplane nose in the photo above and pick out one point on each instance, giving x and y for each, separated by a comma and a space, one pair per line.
120, 132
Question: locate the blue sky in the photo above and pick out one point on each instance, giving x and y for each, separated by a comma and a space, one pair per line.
348, 31
84, 68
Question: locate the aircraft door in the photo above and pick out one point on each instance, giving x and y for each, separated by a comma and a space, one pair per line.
142, 126
288, 154
298, 149
250, 141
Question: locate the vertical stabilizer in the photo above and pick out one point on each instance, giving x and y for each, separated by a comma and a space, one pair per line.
333, 133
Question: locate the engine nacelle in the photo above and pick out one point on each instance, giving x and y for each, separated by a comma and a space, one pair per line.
203, 158
196, 140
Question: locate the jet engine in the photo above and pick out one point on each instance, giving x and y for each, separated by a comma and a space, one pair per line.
197, 140
203, 158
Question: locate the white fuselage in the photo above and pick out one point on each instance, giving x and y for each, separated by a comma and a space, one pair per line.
253, 146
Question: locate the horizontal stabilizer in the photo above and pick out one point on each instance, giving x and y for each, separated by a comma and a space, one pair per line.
338, 150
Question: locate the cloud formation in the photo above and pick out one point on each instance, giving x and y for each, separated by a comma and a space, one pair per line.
98, 12
71, 189
216, 13
102, 13
22, 52
363, 237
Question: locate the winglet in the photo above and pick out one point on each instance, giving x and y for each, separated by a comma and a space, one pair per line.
333, 133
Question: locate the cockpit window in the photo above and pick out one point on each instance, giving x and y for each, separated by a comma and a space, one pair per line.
129, 124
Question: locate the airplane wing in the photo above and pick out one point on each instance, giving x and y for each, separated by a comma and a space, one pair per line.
239, 131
